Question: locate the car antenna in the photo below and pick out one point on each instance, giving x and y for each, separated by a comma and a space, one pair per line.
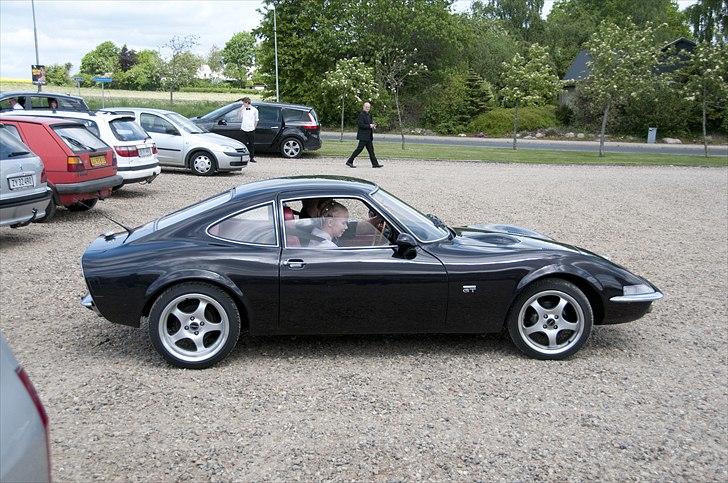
129, 230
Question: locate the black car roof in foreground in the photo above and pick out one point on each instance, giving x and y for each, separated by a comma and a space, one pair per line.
275, 185
9, 94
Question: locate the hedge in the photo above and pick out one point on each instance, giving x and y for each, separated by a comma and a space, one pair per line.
499, 121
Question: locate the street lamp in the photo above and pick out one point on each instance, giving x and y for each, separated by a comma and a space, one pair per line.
35, 35
275, 49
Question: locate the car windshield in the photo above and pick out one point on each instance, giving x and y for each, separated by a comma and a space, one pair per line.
79, 139
125, 129
210, 116
185, 123
421, 226
11, 147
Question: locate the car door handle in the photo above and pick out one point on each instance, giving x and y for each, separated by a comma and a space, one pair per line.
295, 263
275, 127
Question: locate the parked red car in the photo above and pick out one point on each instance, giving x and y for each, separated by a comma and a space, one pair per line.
81, 167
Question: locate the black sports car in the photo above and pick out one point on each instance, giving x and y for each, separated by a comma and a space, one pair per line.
332, 255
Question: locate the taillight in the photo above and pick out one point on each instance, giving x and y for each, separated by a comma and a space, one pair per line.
154, 149
312, 125
74, 163
23, 376
43, 176
126, 151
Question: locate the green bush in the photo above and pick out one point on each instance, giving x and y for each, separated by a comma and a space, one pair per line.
499, 122
224, 88
185, 108
452, 104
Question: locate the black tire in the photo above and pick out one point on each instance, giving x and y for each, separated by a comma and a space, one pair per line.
291, 148
50, 212
84, 205
178, 341
203, 163
551, 319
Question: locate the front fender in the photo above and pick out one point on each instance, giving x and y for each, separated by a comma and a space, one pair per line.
559, 269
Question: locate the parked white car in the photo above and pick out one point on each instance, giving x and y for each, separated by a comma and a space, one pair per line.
24, 194
183, 144
24, 445
136, 153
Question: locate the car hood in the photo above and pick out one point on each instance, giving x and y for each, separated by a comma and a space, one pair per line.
489, 236
210, 138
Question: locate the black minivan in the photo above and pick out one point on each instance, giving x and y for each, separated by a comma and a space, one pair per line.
288, 129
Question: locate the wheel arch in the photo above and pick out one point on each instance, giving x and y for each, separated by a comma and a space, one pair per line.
193, 151
211, 278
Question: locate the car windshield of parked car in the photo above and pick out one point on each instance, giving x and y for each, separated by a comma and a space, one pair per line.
211, 116
125, 129
193, 210
11, 147
79, 139
421, 226
185, 123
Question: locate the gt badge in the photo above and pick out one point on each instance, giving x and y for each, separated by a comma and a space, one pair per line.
469, 288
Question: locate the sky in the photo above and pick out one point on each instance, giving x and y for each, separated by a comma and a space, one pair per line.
69, 29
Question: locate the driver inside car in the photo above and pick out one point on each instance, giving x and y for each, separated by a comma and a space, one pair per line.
333, 222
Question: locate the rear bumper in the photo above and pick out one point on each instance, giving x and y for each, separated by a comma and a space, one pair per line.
20, 210
88, 302
89, 186
138, 173
312, 143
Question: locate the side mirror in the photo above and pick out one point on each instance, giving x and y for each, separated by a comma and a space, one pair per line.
406, 246
222, 122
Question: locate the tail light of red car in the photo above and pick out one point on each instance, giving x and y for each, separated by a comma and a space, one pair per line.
126, 151
74, 163
312, 125
23, 376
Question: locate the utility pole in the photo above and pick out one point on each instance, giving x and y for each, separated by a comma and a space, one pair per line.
35, 34
275, 48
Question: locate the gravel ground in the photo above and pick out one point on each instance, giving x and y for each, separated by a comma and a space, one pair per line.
642, 401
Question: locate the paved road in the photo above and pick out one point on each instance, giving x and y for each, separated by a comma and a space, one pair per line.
613, 147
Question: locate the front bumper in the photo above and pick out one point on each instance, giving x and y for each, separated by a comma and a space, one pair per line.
643, 297
231, 160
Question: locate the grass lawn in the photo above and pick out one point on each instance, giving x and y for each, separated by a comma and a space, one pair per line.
501, 155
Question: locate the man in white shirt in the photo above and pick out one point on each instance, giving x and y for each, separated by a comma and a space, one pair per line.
248, 123
15, 104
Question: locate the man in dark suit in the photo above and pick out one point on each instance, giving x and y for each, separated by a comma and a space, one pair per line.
365, 136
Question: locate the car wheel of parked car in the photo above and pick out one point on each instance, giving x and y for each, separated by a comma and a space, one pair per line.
50, 212
84, 205
203, 163
551, 319
194, 325
291, 148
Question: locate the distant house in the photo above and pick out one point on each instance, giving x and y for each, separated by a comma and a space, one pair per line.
673, 56
206, 73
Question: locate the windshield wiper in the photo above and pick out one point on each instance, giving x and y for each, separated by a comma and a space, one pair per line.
17, 153
441, 224
79, 144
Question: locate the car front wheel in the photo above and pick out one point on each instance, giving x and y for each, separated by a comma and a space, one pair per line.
194, 325
203, 163
551, 319
291, 148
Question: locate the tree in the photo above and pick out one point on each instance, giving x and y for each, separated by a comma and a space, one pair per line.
394, 68
104, 59
709, 20
622, 63
127, 58
529, 80
180, 68
146, 74
215, 60
484, 45
522, 18
706, 79
352, 82
59, 74
238, 56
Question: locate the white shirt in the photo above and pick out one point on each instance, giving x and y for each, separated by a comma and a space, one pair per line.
18, 107
248, 118
325, 243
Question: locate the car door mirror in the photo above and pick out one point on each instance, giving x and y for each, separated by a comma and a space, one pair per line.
406, 246
222, 122
172, 131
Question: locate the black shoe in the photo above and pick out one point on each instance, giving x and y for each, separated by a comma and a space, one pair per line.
377, 165
351, 165
253, 161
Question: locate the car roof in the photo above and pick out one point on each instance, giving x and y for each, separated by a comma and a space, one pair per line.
71, 114
8, 94
275, 185
50, 121
137, 109
281, 104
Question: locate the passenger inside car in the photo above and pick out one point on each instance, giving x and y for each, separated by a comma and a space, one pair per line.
333, 222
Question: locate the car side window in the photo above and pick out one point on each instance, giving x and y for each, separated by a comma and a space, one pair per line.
268, 114
157, 124
232, 116
295, 115
256, 226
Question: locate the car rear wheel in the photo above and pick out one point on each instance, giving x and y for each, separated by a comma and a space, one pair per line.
84, 205
291, 148
551, 319
194, 325
203, 163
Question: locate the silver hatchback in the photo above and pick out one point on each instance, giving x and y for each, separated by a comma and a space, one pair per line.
24, 194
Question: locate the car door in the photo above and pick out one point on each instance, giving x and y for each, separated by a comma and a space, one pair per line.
168, 139
359, 289
228, 125
270, 124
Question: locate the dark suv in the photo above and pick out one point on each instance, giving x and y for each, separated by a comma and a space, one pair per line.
288, 129
42, 100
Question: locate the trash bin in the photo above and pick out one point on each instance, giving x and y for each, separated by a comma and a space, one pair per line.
651, 135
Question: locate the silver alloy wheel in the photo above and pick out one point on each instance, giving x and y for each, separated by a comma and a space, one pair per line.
551, 322
202, 163
291, 148
189, 322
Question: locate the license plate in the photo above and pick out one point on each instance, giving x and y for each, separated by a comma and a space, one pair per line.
144, 152
20, 182
98, 160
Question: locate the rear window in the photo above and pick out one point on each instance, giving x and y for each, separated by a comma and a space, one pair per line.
79, 139
193, 210
12, 147
127, 130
